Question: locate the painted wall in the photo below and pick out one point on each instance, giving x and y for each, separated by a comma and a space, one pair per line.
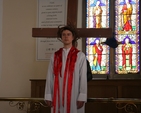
19, 63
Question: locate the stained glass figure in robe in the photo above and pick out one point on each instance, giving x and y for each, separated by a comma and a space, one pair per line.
96, 52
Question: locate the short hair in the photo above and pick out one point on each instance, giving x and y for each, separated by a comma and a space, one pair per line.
71, 28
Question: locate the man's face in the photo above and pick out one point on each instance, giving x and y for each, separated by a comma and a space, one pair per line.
67, 37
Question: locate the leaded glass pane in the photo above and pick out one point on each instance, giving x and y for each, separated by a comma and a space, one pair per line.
97, 53
127, 32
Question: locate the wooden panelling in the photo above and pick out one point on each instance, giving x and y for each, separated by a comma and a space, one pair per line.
131, 91
100, 108
98, 89
102, 91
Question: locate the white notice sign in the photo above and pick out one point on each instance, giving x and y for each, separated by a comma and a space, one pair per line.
51, 14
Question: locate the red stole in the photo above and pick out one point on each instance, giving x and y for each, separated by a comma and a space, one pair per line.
69, 69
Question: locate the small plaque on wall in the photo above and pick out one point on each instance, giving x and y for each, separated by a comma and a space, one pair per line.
51, 14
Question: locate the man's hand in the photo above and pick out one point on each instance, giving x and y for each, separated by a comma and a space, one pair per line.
49, 103
80, 104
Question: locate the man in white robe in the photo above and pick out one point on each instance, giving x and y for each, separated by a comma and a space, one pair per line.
77, 87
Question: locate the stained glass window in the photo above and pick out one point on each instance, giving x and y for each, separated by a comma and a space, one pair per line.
125, 21
127, 32
97, 53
